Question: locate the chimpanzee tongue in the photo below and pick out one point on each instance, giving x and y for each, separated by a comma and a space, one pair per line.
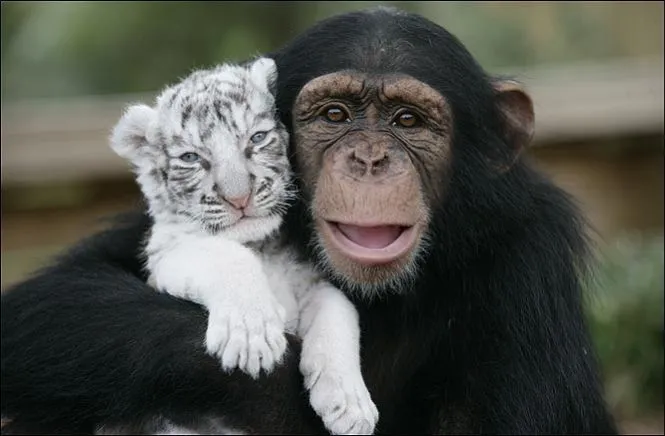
371, 237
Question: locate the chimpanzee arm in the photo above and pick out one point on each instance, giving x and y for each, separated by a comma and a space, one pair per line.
87, 342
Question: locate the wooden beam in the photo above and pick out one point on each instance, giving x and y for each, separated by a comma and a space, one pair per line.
45, 141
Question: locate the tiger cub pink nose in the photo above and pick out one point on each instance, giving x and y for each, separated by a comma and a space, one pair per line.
238, 202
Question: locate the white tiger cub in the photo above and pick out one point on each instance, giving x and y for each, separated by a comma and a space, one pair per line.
211, 161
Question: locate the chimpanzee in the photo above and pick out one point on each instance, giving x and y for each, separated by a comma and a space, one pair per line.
466, 265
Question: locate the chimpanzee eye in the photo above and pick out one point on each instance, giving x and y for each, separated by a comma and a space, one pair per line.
190, 157
407, 119
258, 137
337, 114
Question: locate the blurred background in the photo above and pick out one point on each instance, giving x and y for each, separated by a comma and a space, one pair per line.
595, 71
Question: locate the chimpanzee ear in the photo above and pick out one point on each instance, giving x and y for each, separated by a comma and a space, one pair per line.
516, 109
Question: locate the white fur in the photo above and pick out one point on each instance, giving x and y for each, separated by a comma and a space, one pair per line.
330, 362
252, 297
173, 430
263, 72
129, 136
246, 322
328, 324
162, 426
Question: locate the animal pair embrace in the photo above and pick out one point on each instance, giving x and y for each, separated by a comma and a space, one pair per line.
471, 317
211, 159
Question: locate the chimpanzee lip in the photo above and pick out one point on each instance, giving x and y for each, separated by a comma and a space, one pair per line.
405, 238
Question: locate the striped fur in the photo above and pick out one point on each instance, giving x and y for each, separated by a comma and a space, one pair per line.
203, 249
212, 113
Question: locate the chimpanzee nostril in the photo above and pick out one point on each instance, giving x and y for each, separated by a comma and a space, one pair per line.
380, 162
369, 161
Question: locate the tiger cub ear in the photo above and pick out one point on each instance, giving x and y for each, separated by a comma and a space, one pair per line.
129, 138
263, 72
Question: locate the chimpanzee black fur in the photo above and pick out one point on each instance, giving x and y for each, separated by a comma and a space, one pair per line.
491, 339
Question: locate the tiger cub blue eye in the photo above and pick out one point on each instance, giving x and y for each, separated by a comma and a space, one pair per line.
190, 157
258, 137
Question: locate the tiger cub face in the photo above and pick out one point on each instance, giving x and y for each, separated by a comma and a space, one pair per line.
212, 150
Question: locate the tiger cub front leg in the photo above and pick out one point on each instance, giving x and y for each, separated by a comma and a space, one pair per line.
330, 362
245, 322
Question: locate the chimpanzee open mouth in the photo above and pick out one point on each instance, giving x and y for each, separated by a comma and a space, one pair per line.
371, 245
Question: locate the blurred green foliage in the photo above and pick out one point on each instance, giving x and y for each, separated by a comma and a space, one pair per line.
626, 317
53, 49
